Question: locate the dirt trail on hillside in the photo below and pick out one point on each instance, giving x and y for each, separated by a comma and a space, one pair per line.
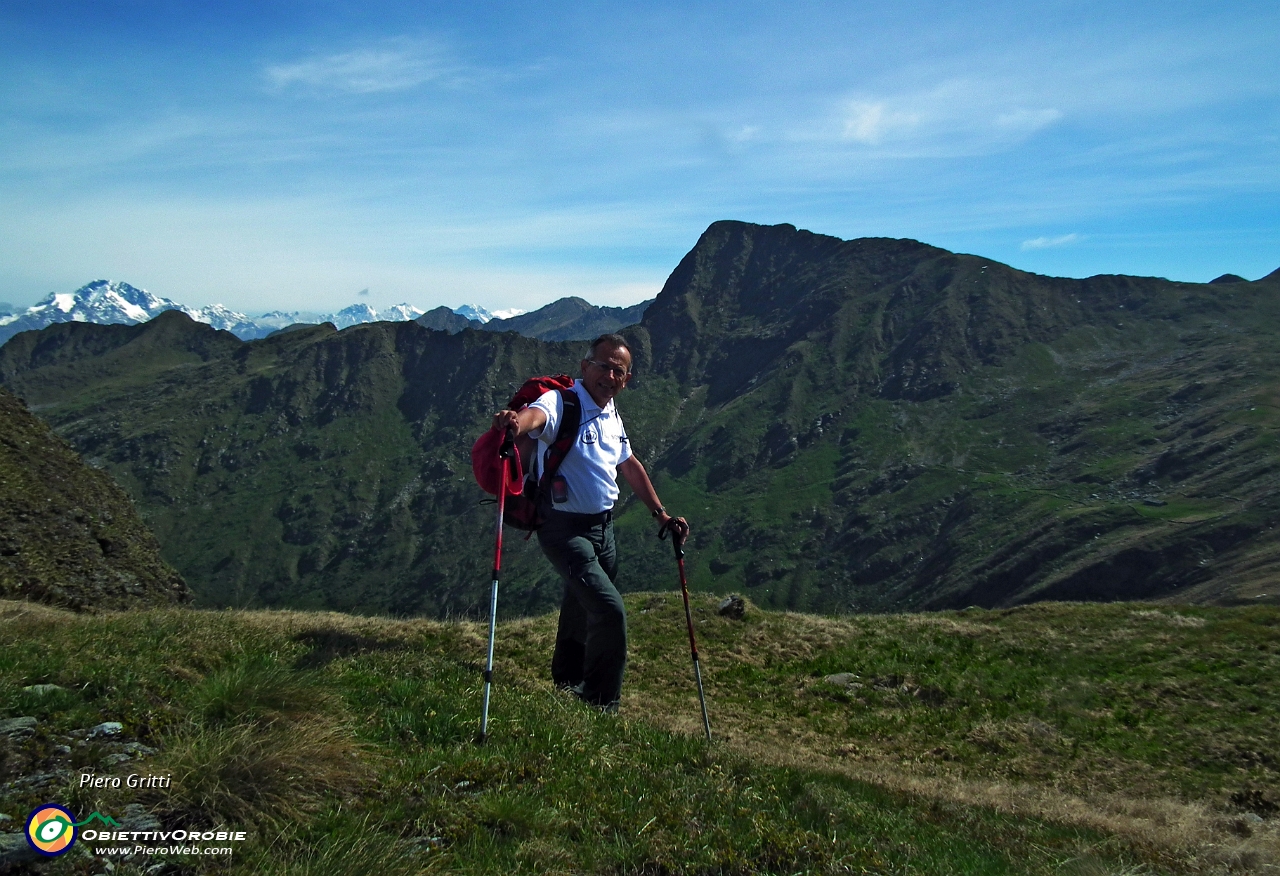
1188, 836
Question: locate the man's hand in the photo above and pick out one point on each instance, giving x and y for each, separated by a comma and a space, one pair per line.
504, 420
677, 526
525, 421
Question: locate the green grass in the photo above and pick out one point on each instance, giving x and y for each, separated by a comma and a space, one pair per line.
348, 744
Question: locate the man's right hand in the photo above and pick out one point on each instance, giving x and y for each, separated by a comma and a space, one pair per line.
504, 420
525, 421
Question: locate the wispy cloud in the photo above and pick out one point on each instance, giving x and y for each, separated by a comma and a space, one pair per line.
395, 65
1050, 242
870, 123
953, 117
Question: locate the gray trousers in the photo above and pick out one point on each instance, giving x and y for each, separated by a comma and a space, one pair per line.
591, 640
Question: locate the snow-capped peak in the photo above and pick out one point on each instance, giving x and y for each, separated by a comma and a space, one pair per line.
400, 313
473, 311
353, 315
480, 314
102, 301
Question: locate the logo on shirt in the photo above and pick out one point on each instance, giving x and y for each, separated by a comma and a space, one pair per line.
589, 436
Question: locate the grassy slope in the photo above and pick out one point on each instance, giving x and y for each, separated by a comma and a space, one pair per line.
1049, 739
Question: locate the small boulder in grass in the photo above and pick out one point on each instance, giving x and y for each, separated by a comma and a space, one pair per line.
733, 607
23, 726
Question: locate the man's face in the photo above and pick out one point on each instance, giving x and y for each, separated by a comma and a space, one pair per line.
606, 372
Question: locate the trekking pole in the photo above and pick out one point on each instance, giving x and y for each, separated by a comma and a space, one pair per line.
677, 542
504, 453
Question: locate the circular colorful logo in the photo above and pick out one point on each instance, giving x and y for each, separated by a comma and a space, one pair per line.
51, 830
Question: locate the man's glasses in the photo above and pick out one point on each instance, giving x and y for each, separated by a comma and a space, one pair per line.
617, 372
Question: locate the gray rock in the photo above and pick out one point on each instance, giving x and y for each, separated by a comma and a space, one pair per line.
733, 607
106, 728
18, 726
841, 679
40, 780
43, 689
138, 817
115, 759
14, 849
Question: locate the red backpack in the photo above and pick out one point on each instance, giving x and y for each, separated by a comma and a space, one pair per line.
528, 509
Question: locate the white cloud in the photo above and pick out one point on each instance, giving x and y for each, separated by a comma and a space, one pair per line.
871, 122
395, 66
955, 116
1049, 242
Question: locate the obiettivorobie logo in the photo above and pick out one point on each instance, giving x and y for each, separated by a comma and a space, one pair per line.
51, 829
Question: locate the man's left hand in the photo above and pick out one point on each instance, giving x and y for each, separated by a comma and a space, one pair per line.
677, 526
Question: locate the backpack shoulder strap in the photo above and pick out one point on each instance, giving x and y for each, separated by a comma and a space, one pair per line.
566, 434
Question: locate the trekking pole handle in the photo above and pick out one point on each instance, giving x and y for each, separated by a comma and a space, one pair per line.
508, 444
678, 534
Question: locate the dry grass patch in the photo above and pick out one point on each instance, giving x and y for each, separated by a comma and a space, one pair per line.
265, 775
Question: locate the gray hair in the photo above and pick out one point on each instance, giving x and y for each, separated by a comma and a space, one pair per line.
612, 340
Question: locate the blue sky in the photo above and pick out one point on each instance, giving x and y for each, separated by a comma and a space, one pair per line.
289, 155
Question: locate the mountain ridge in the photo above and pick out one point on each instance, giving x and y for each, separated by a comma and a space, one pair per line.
874, 424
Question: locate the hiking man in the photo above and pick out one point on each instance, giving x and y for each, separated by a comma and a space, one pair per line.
591, 640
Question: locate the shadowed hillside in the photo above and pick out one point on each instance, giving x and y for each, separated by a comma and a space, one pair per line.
68, 535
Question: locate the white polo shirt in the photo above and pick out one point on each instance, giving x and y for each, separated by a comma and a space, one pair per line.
590, 468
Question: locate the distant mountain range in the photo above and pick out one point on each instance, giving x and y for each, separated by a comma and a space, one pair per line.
569, 319
106, 302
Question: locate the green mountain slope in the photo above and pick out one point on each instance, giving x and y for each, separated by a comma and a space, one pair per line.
313, 468
880, 424
69, 536
868, 424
